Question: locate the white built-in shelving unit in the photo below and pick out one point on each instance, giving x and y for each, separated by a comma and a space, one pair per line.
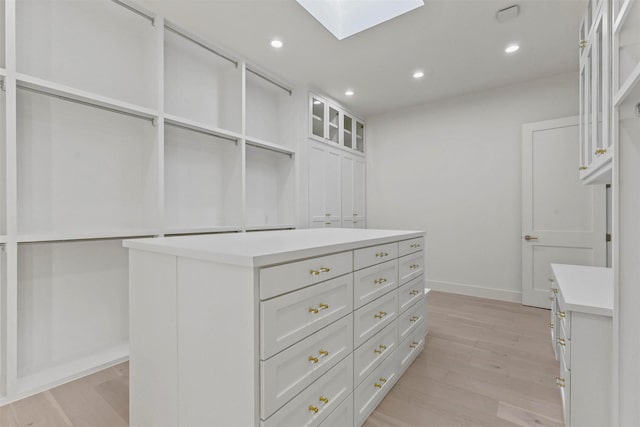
114, 124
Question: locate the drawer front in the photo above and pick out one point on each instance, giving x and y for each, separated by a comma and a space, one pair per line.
371, 318
289, 318
410, 348
373, 352
411, 266
410, 293
374, 255
564, 345
564, 382
325, 223
411, 319
289, 372
373, 282
373, 389
407, 247
285, 278
342, 416
564, 315
316, 402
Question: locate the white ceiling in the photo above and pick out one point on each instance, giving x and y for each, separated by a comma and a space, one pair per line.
458, 43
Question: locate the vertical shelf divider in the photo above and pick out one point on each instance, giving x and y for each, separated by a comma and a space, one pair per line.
159, 123
10, 346
243, 143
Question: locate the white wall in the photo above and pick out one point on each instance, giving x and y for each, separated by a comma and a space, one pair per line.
453, 168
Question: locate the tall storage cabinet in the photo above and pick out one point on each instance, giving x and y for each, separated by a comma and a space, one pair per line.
117, 124
336, 166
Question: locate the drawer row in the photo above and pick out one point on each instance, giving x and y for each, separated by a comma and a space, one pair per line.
281, 279
333, 376
290, 318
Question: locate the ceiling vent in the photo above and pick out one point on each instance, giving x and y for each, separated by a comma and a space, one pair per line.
508, 13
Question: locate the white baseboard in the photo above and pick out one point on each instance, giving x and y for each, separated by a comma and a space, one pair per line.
475, 291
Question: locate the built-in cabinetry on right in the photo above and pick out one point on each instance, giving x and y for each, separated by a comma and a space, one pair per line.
336, 166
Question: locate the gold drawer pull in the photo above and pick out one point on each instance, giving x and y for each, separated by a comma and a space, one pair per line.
413, 345
380, 315
323, 353
313, 409
414, 266
324, 400
561, 341
323, 306
313, 310
414, 245
414, 318
554, 290
560, 381
314, 272
324, 269
562, 314
376, 385
381, 254
582, 44
377, 351
582, 168
313, 359
414, 292
382, 380
327, 223
380, 281
600, 151
550, 325
382, 346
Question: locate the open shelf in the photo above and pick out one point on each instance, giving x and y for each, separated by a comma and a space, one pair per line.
72, 306
203, 180
203, 230
201, 127
83, 169
270, 188
255, 142
269, 110
627, 101
96, 235
200, 84
65, 92
98, 46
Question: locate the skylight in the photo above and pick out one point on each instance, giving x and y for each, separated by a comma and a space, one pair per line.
344, 18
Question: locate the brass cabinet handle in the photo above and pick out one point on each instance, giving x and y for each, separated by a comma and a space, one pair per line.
414, 266
313, 359
561, 341
600, 151
380, 315
323, 353
582, 44
327, 223
382, 346
376, 385
414, 245
324, 399
381, 254
560, 381
554, 290
414, 292
550, 325
313, 409
413, 345
382, 380
323, 306
313, 310
314, 272
324, 269
380, 281
377, 351
414, 318
562, 314
528, 237
582, 168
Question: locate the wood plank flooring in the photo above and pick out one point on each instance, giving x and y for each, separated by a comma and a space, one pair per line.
486, 363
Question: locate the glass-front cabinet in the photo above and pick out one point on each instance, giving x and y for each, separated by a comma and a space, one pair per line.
333, 125
595, 81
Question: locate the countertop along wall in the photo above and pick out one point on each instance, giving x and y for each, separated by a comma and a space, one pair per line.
453, 168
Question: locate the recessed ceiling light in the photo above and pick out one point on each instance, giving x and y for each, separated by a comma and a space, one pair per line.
276, 43
512, 48
349, 92
418, 74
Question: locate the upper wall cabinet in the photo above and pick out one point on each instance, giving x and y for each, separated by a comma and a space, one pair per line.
201, 84
596, 148
334, 126
98, 47
626, 48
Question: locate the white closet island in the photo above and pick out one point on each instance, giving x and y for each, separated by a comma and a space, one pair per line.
296, 327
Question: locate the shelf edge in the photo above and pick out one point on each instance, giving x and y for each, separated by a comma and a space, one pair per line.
201, 127
261, 143
628, 86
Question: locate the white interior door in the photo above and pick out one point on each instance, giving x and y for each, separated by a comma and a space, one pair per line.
563, 220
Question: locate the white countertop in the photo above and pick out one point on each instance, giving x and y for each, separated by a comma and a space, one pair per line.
585, 289
257, 249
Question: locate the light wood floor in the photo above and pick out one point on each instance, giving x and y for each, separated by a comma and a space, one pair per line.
486, 363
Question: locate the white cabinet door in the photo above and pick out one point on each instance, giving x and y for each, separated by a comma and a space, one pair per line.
332, 184
359, 189
317, 210
347, 187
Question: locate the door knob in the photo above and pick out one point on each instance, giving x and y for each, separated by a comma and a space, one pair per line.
527, 238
